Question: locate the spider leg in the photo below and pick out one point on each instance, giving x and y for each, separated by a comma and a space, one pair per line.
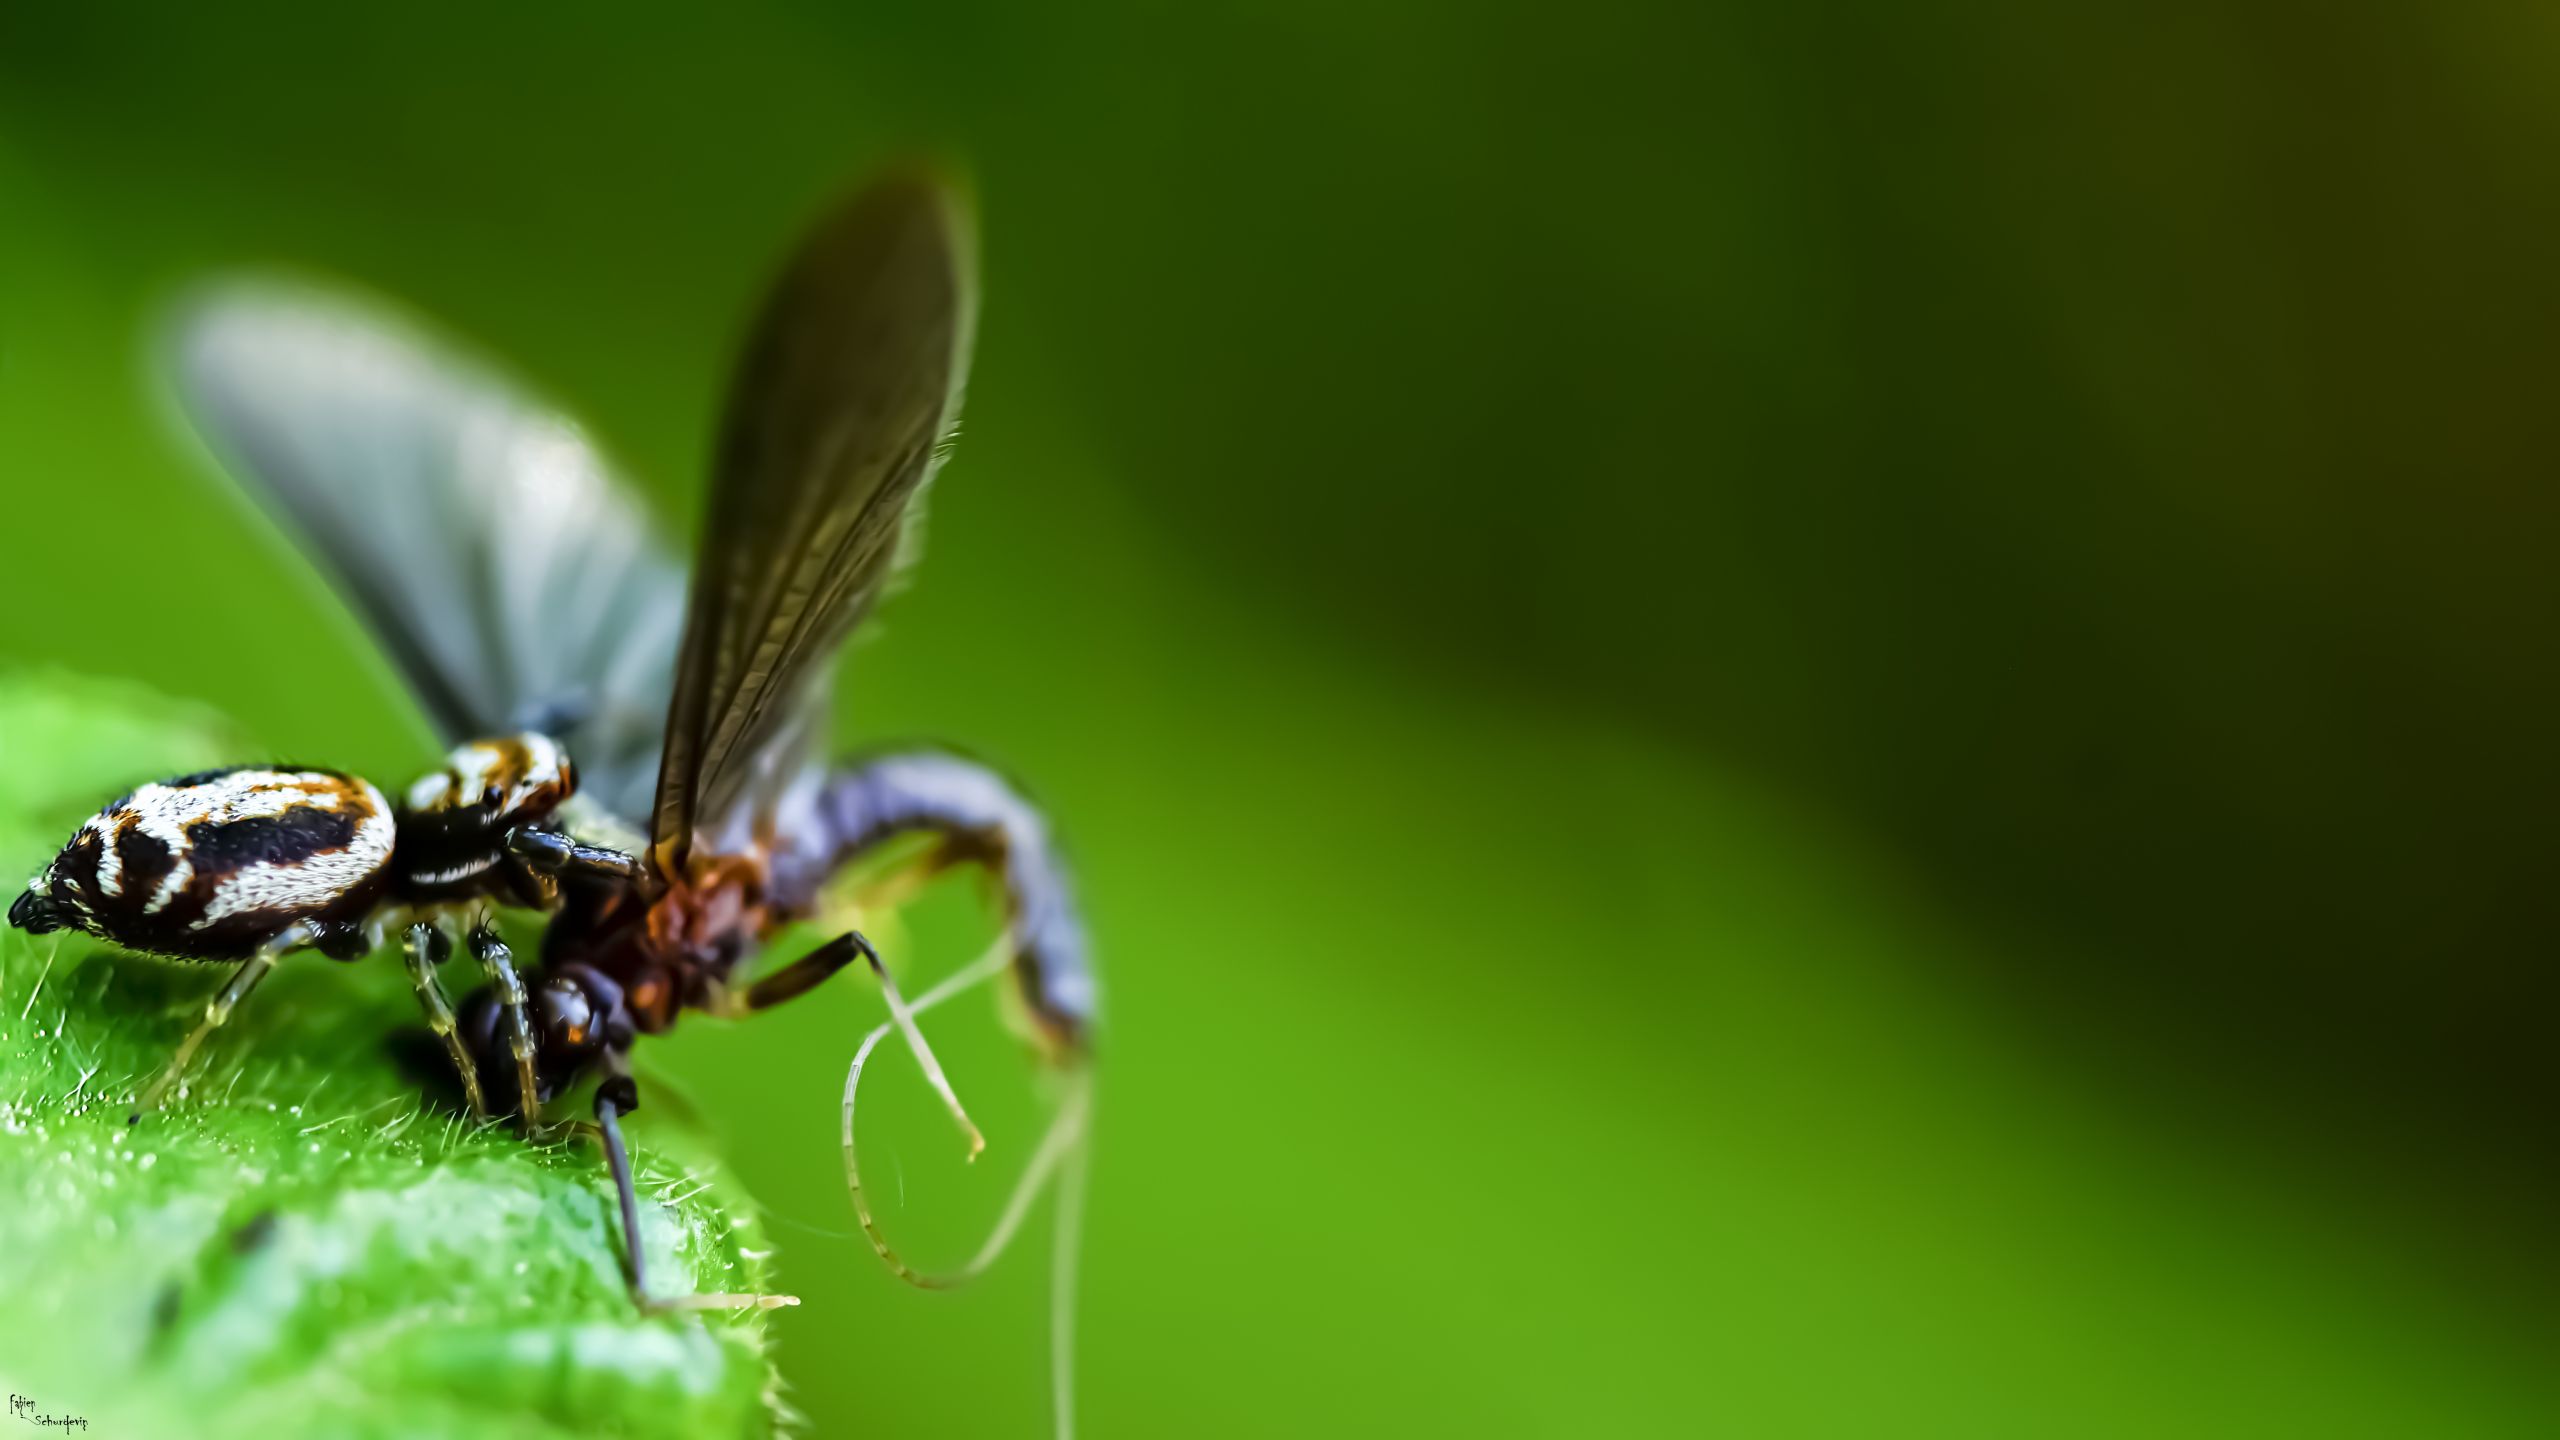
218, 1010
426, 948
499, 961
616, 1097
554, 853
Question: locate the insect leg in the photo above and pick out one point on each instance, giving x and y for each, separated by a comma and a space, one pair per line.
804, 974
1063, 1145
499, 961
616, 1097
635, 1268
1063, 1263
1064, 1137
978, 818
218, 1010
553, 853
427, 948
904, 1018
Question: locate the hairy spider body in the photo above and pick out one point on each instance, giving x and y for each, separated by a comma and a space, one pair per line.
252, 863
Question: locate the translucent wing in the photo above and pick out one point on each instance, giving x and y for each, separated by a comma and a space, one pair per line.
511, 579
848, 388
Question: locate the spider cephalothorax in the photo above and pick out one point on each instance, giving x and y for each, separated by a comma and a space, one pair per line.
459, 822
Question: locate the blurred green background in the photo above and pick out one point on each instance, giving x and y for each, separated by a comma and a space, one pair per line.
1783, 719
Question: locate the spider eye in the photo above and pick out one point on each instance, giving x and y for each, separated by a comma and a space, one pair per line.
492, 796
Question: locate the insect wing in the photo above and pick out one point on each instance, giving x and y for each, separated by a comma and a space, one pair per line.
837, 418
510, 577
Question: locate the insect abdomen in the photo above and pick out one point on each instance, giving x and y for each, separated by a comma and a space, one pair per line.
981, 818
212, 865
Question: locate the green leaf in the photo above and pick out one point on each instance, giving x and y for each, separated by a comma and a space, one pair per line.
304, 1243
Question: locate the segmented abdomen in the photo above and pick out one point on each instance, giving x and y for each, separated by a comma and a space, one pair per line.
982, 819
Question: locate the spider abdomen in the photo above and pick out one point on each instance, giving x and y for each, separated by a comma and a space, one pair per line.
212, 865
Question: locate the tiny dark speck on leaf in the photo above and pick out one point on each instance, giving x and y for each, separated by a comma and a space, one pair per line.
254, 1233
164, 1310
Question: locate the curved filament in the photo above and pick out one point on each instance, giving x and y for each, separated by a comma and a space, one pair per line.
1062, 1280
1065, 1130
1063, 1144
903, 1017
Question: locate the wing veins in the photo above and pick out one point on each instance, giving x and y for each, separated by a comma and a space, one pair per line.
847, 388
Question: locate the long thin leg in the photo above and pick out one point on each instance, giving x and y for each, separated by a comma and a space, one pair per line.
499, 961
1064, 1138
427, 948
635, 1269
804, 974
1063, 1146
1063, 1264
218, 1010
981, 818
905, 1020
1066, 1132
